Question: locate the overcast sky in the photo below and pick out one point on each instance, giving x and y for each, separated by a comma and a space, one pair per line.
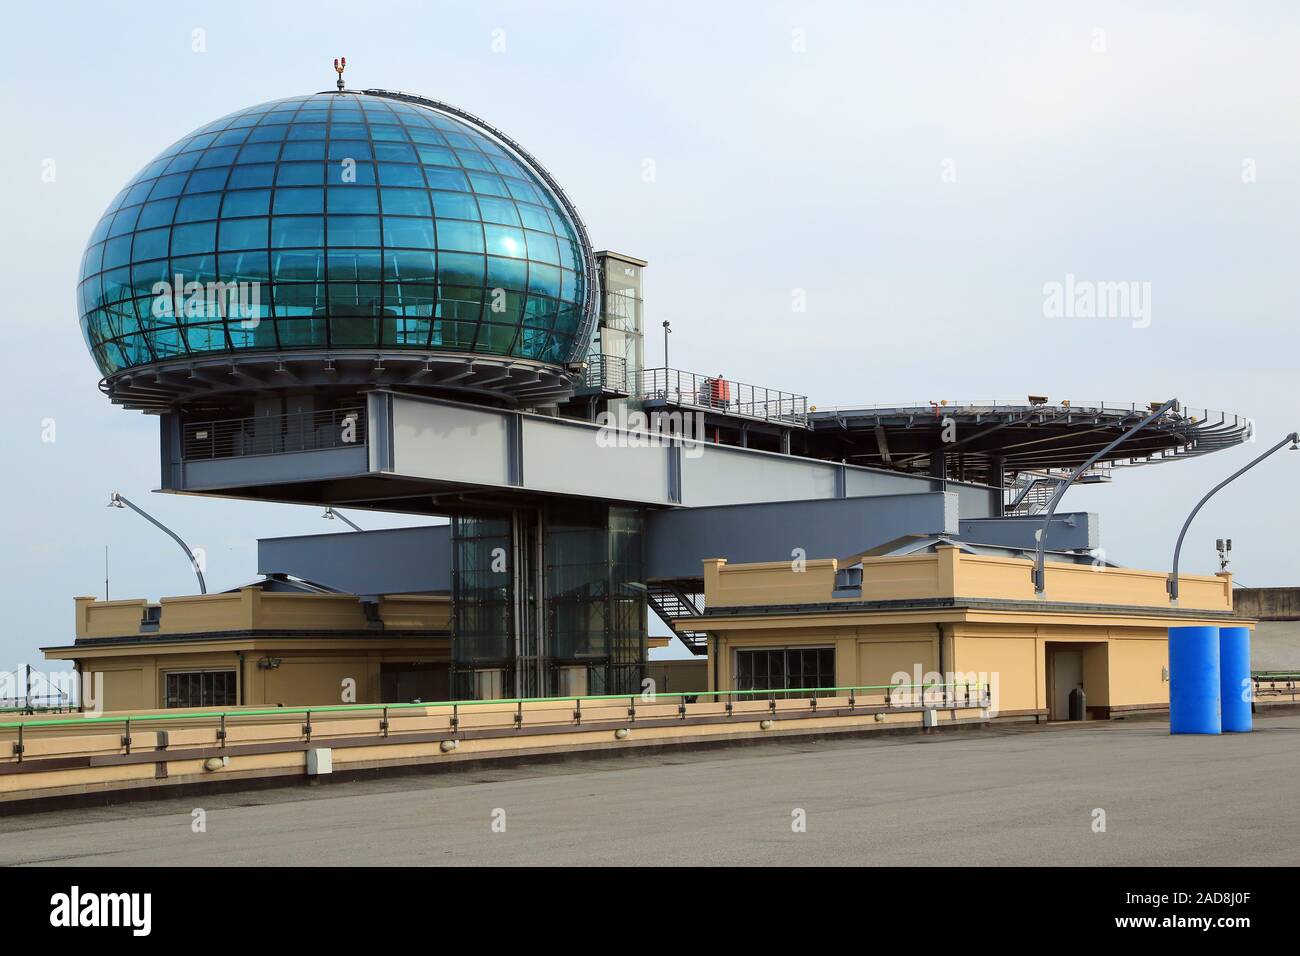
919, 170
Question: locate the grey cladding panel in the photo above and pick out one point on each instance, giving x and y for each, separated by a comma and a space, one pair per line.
677, 541
394, 561
717, 475
286, 467
578, 459
1075, 531
449, 442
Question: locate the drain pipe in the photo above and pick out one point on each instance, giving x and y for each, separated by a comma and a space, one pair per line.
939, 628
716, 652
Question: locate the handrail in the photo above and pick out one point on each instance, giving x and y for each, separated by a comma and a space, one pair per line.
607, 372
364, 708
722, 395
272, 434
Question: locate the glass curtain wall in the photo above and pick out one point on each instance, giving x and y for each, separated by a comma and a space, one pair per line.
340, 220
550, 606
595, 595
482, 593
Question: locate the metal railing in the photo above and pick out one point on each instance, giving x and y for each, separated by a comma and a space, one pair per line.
608, 373
37, 704
272, 434
1270, 684
722, 395
808, 702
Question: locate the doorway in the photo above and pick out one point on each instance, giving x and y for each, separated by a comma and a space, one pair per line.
1065, 673
405, 683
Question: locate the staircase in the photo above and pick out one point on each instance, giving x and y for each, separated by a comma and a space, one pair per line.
676, 606
1030, 492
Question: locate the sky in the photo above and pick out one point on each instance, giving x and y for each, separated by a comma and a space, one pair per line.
915, 174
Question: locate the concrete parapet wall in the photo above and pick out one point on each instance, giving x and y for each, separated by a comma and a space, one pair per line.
62, 760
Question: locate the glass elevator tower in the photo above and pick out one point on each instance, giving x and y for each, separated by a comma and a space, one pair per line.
548, 601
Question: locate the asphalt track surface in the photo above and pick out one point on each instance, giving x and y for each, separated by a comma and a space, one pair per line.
1001, 795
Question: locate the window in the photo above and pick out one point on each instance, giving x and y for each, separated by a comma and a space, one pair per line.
572, 681
784, 668
489, 684
200, 689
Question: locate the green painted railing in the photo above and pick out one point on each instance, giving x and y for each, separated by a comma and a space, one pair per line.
799, 693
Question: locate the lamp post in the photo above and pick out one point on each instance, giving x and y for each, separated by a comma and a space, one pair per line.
667, 332
1172, 584
331, 514
118, 501
1040, 573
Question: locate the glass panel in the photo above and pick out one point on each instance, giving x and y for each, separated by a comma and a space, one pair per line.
353, 198
416, 233
246, 202
460, 236
300, 200
243, 234
196, 237
297, 231
353, 230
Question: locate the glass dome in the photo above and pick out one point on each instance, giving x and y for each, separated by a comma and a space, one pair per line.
336, 221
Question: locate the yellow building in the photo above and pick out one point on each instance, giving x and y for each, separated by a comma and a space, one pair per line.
972, 618
261, 646
277, 644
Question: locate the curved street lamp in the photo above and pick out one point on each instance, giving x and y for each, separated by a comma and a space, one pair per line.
1040, 573
118, 501
1172, 584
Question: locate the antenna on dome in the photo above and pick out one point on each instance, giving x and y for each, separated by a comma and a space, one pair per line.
340, 64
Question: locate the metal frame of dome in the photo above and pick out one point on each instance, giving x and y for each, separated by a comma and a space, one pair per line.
591, 307
162, 386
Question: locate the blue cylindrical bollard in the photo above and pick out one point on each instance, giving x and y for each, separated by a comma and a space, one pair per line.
1194, 681
1236, 689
